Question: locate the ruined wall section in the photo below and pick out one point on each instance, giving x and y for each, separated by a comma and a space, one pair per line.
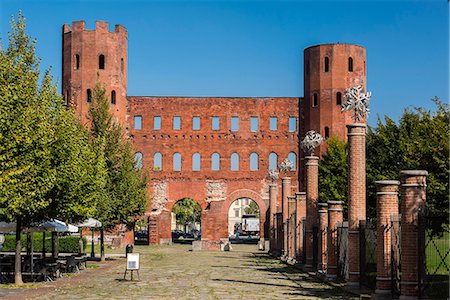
208, 187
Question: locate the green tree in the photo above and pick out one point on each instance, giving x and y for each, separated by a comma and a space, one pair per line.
333, 172
27, 173
187, 211
125, 191
252, 209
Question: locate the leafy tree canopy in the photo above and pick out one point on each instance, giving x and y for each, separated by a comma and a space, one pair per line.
187, 211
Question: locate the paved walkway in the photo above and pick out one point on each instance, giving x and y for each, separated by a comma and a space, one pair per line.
174, 272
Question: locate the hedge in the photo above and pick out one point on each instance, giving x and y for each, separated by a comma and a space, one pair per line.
68, 244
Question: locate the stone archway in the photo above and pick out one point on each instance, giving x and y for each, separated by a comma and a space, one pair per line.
246, 193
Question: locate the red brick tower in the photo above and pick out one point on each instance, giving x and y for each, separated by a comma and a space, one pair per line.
88, 55
329, 69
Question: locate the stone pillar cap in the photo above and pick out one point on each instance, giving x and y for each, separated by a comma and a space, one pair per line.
413, 173
286, 178
300, 193
335, 202
291, 197
312, 157
322, 204
387, 182
356, 125
272, 184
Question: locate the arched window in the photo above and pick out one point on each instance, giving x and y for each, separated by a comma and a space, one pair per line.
293, 158
121, 65
138, 160
234, 162
177, 161
101, 62
254, 161
326, 64
196, 162
77, 61
113, 97
89, 95
327, 132
215, 162
350, 64
338, 98
273, 161
157, 161
315, 100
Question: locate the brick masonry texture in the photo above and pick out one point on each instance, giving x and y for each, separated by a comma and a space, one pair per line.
356, 194
214, 190
387, 207
413, 195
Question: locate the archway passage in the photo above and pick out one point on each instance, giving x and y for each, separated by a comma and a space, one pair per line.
244, 221
186, 221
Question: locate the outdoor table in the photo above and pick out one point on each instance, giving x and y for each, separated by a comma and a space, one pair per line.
80, 260
50, 270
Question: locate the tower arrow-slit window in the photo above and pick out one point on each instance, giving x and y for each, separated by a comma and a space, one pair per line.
101, 62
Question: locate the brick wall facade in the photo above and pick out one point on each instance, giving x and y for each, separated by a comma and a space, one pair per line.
166, 127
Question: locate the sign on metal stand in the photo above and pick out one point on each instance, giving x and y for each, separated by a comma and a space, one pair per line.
132, 265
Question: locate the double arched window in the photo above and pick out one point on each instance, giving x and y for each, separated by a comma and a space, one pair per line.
254, 161
157, 162
177, 161
196, 162
215, 162
234, 162
293, 158
138, 160
273, 161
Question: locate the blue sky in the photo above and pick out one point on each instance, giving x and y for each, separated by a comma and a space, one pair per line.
255, 48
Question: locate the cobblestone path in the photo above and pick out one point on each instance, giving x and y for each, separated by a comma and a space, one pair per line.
174, 272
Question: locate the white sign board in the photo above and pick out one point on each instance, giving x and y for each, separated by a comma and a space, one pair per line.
133, 261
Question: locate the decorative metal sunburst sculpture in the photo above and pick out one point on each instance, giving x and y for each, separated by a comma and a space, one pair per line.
358, 101
273, 174
311, 141
286, 165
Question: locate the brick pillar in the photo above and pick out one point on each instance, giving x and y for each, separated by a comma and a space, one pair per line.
300, 215
285, 192
387, 206
334, 217
323, 224
272, 222
291, 233
312, 193
356, 196
413, 189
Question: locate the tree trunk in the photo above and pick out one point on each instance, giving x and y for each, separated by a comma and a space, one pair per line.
18, 259
102, 244
55, 250
80, 242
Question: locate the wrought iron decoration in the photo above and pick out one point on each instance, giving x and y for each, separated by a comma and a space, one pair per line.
273, 174
286, 165
311, 141
358, 101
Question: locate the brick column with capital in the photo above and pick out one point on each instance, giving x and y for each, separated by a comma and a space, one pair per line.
413, 190
356, 196
300, 215
323, 224
334, 217
274, 251
387, 206
312, 194
285, 192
